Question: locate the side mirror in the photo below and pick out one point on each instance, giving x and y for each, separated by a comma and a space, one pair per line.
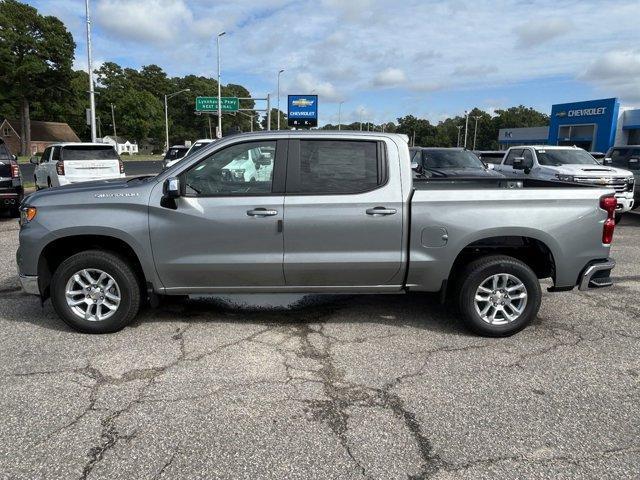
608, 161
490, 166
15, 157
416, 167
171, 188
35, 160
518, 163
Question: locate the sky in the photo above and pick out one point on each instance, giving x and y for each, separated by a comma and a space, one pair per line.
383, 58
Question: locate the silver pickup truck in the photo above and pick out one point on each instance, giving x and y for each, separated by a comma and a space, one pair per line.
331, 212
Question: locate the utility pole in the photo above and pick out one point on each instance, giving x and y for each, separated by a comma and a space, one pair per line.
92, 98
459, 127
268, 111
475, 131
340, 115
113, 120
466, 127
279, 73
219, 132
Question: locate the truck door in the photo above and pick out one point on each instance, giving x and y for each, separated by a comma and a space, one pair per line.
343, 214
225, 231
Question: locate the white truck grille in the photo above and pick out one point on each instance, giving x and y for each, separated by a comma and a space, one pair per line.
620, 185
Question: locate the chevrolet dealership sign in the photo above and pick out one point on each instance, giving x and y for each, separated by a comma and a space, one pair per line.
302, 111
582, 112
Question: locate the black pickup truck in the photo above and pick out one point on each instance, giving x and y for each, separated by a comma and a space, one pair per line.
11, 189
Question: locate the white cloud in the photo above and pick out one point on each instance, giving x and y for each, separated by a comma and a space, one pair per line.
536, 32
306, 83
616, 71
389, 77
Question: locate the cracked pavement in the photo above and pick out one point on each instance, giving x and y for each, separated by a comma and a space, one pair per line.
386, 386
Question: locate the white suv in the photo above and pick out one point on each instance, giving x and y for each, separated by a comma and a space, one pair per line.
65, 163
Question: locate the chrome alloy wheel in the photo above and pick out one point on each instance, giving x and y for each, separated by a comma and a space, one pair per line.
500, 299
92, 295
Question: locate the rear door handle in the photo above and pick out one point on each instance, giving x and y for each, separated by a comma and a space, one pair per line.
381, 211
261, 212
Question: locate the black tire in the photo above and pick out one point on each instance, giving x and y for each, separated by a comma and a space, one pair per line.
35, 182
49, 183
617, 218
476, 273
121, 272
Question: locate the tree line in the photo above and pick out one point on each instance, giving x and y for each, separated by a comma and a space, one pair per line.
38, 82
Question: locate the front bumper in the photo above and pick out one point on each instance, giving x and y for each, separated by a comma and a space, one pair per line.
29, 284
597, 274
625, 202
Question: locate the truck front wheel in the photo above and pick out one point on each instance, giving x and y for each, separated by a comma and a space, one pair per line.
499, 295
95, 292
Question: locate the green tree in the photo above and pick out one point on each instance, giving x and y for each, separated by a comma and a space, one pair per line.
274, 120
36, 54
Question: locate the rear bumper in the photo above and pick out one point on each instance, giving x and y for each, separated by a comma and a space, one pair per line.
68, 180
29, 284
10, 199
597, 274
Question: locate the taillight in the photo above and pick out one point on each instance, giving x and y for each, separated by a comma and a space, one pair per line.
15, 170
608, 204
121, 165
60, 168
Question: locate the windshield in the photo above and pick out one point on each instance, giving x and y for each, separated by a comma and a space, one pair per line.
565, 157
89, 153
174, 153
444, 159
4, 153
197, 146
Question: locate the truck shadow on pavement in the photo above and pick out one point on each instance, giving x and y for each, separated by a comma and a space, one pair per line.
418, 311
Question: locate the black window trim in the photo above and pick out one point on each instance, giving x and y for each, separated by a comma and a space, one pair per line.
293, 167
278, 176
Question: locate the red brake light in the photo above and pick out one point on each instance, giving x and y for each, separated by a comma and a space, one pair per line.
15, 170
121, 165
607, 230
60, 167
609, 204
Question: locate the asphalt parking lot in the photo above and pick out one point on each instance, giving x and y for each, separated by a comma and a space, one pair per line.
332, 387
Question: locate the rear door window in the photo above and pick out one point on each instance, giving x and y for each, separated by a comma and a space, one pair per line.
334, 167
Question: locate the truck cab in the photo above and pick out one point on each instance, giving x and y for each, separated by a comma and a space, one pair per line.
569, 164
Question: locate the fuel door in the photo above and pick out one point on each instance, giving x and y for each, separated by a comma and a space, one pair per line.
434, 237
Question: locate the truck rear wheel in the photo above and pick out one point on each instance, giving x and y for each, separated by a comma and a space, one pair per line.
499, 296
95, 292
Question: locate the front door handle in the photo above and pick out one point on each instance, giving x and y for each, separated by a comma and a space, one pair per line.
381, 211
261, 212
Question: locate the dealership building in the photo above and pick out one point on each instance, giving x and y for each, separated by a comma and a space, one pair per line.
595, 125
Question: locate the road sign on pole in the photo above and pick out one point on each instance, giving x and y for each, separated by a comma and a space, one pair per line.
210, 104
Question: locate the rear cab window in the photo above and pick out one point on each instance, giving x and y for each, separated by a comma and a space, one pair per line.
335, 167
89, 152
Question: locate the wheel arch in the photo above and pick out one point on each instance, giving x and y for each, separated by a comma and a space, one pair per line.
59, 249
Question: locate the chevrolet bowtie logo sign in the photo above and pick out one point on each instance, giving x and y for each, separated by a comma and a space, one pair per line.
302, 102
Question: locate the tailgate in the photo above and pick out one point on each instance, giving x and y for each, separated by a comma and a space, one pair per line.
91, 168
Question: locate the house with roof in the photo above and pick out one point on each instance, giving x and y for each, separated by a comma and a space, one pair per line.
121, 144
43, 134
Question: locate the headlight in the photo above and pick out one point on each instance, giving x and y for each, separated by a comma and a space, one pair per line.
565, 178
238, 173
27, 214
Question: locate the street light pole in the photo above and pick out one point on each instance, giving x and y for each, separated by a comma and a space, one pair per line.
92, 99
113, 120
340, 115
279, 73
459, 127
166, 114
219, 132
466, 127
475, 131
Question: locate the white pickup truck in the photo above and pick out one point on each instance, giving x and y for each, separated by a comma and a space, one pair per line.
568, 164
